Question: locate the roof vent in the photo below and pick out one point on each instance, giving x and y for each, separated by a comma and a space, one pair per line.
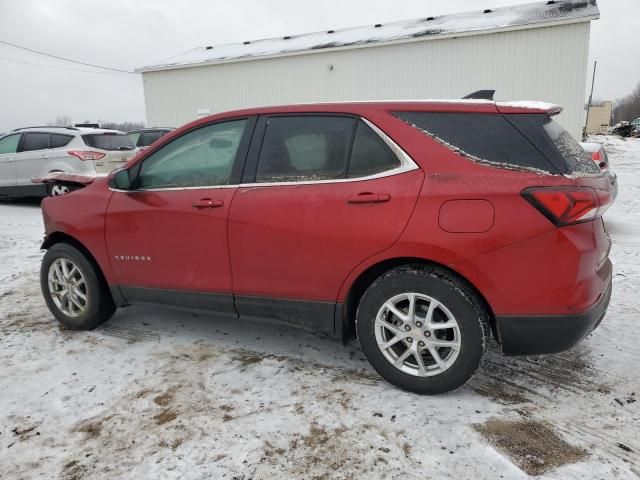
488, 10
430, 18
209, 47
378, 25
287, 37
330, 31
247, 43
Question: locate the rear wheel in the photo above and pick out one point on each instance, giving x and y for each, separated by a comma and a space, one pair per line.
73, 289
422, 329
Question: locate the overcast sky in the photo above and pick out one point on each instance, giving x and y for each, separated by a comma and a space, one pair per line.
131, 33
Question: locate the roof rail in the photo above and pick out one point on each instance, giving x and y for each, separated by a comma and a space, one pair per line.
43, 126
87, 125
480, 95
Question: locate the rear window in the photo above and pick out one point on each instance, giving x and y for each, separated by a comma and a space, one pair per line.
555, 143
108, 141
482, 137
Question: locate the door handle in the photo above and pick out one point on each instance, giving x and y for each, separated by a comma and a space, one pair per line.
205, 203
367, 197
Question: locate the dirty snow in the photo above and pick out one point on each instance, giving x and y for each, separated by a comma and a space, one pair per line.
162, 394
433, 27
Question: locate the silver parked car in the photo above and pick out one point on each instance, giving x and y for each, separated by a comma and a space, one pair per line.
37, 151
599, 155
144, 137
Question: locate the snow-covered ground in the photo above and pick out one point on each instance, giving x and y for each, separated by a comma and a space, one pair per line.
163, 394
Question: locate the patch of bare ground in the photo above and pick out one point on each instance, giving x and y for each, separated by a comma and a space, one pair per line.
74, 471
533, 446
332, 453
165, 416
92, 428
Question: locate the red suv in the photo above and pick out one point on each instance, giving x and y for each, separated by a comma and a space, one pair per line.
422, 227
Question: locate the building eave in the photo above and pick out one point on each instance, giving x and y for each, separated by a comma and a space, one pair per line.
510, 28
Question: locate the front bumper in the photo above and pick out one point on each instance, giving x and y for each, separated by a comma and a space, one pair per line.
541, 334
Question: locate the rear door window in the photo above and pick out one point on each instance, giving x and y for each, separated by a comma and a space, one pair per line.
109, 141
305, 148
485, 138
9, 144
35, 141
59, 140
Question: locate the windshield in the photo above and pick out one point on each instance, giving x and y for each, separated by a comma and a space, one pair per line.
109, 141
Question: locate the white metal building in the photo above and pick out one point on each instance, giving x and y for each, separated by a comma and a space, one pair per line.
537, 51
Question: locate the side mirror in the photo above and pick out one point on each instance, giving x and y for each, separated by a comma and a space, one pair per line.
120, 180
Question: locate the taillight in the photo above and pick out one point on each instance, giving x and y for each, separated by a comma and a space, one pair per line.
568, 205
86, 154
597, 157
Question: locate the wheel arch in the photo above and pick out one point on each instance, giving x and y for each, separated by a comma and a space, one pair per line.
346, 311
55, 238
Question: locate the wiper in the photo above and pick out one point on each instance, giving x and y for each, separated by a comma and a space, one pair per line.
126, 148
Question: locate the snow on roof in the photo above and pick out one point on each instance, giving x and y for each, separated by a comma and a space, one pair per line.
482, 21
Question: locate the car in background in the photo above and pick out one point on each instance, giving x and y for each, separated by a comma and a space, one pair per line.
38, 151
600, 157
144, 137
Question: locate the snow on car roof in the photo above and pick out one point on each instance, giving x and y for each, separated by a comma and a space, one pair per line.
479, 21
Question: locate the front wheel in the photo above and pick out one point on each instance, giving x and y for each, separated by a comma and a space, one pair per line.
73, 289
422, 329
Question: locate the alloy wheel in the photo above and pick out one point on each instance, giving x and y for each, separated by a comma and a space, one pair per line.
417, 334
67, 287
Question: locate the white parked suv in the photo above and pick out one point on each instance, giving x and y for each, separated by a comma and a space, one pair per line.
37, 151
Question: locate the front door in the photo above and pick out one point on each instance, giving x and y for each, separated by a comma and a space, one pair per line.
33, 157
8, 149
167, 237
327, 193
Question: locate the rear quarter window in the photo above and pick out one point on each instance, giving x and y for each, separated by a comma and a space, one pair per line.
108, 141
555, 143
59, 140
483, 137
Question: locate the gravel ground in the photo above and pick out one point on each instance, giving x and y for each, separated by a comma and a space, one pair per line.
156, 393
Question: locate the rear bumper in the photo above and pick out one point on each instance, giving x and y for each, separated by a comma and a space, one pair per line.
541, 334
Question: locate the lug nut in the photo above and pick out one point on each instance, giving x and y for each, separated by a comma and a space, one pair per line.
427, 334
418, 324
409, 340
407, 328
421, 343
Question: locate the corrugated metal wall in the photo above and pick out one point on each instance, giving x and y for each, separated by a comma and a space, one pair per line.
547, 64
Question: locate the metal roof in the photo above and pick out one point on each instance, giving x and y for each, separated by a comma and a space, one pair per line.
539, 14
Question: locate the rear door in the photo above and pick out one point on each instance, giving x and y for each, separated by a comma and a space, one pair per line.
325, 192
8, 149
167, 236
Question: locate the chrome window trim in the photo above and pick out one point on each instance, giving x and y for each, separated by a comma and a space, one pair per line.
407, 164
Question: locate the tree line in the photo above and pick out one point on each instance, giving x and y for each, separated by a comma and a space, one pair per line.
67, 121
627, 108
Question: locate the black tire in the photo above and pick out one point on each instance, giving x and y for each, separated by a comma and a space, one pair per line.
99, 307
453, 292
